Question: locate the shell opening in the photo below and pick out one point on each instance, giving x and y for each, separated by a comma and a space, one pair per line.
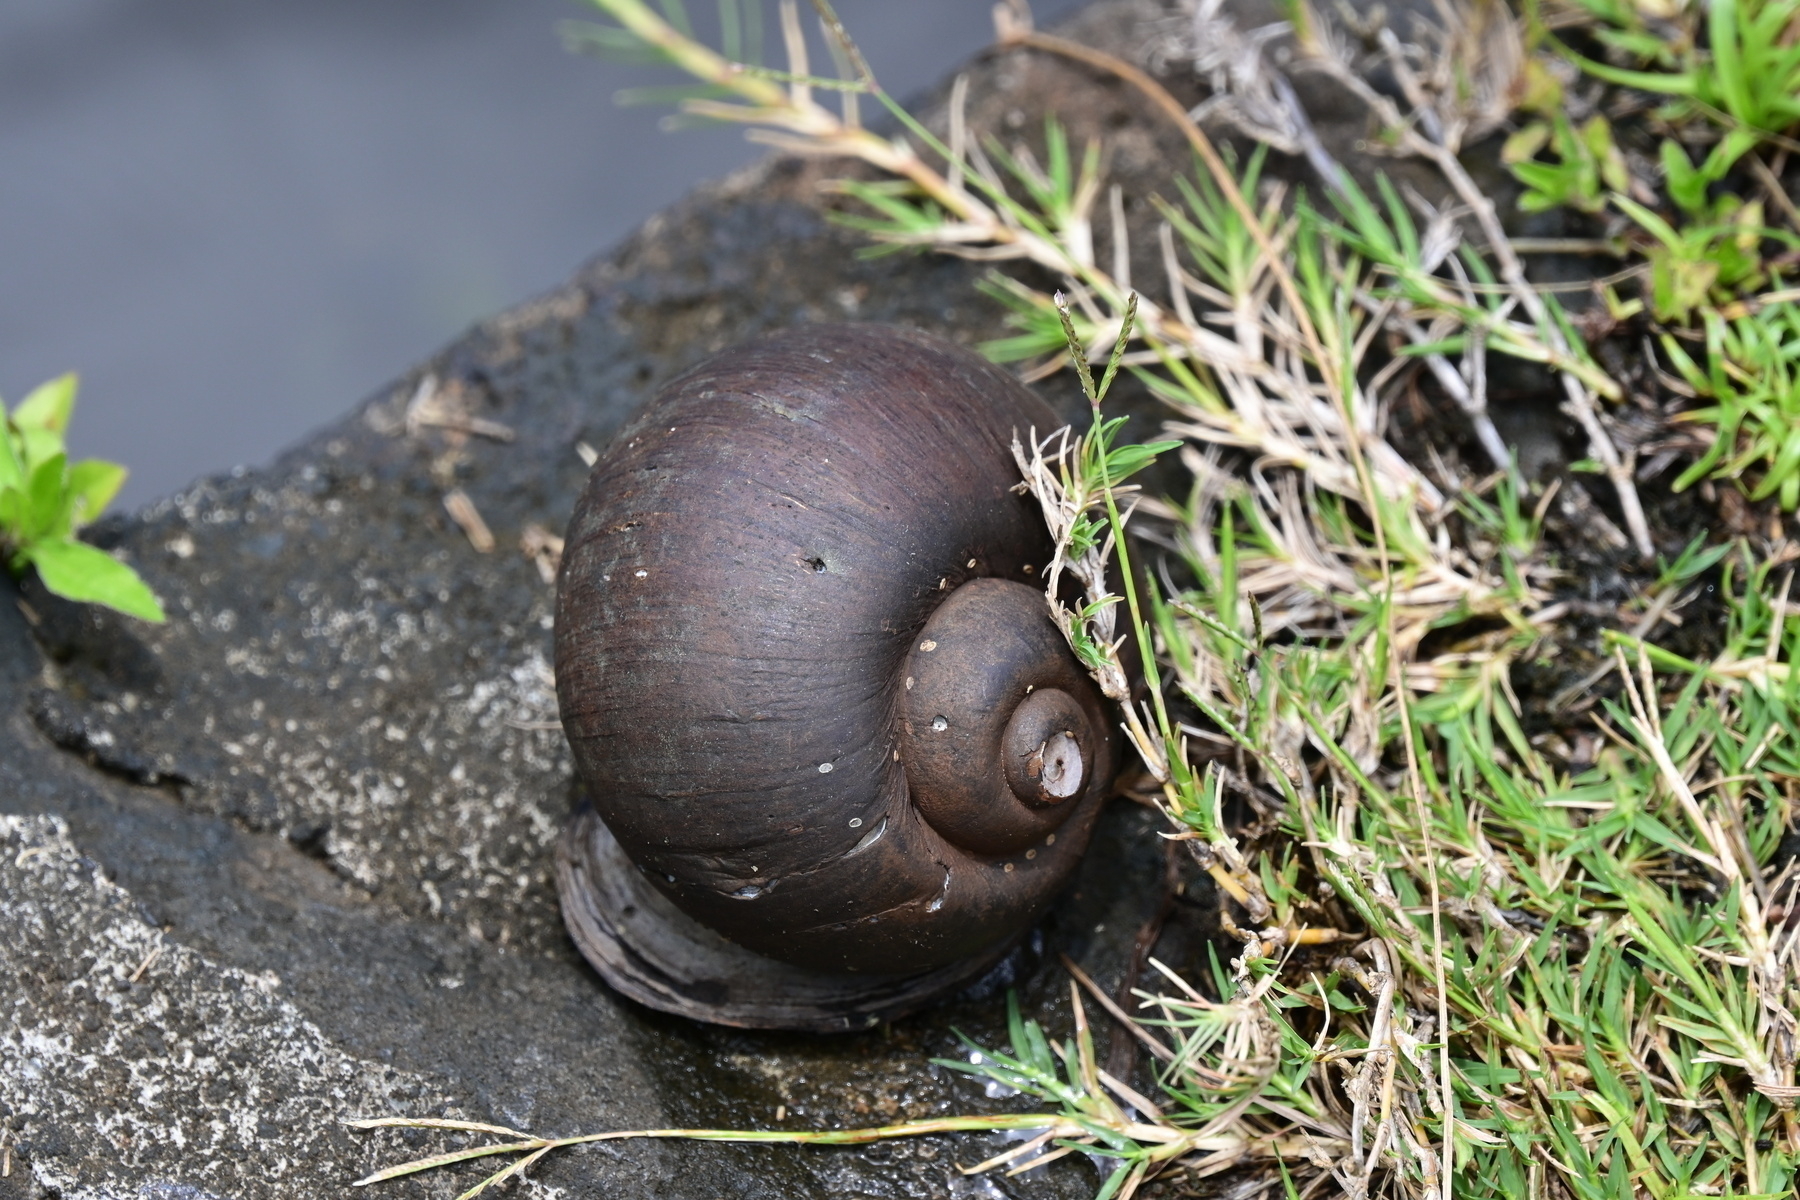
1046, 748
1058, 766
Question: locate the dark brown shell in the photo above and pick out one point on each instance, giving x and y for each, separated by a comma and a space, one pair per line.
745, 592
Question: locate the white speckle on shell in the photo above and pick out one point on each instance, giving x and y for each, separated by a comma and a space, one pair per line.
856, 822
824, 768
928, 645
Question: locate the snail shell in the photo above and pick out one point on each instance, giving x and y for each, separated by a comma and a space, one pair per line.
805, 665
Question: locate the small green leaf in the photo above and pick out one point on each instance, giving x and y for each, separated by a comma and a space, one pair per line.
1687, 186
38, 446
1787, 460
1113, 1182
46, 504
1679, 284
1598, 136
12, 454
78, 571
1654, 225
1125, 461
1660, 82
1450, 345
1524, 145
1542, 90
48, 406
12, 507
93, 483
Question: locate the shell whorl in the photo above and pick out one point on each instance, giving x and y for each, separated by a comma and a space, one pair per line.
791, 534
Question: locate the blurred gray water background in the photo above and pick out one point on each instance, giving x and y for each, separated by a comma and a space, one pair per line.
236, 218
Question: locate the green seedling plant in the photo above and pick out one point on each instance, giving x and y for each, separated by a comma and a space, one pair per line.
1744, 75
1695, 266
1751, 375
1734, 69
1585, 160
1505, 532
45, 500
1716, 250
1732, 72
1691, 186
1584, 163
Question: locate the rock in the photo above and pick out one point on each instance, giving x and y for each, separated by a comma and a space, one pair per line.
150, 1052
286, 859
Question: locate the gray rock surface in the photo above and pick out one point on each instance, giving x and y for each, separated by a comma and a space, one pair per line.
285, 859
158, 1055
